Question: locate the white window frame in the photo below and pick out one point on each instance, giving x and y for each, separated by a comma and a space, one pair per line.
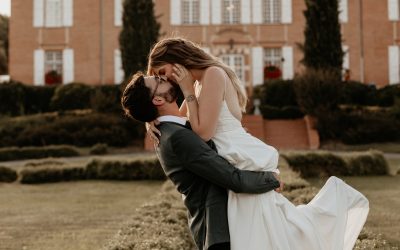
272, 11
53, 60
231, 11
53, 17
231, 60
118, 12
393, 10
191, 15
273, 57
60, 16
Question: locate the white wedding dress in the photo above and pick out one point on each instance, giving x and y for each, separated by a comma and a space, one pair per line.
269, 221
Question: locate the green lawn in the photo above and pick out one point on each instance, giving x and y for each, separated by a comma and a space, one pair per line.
68, 215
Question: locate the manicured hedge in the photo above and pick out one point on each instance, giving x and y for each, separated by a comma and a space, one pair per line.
23, 99
140, 169
7, 174
321, 163
73, 128
14, 153
286, 112
149, 169
71, 96
359, 127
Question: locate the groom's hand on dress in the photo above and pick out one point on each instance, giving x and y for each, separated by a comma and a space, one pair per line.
281, 184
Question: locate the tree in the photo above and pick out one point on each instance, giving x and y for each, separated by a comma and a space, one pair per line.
4, 20
140, 30
323, 41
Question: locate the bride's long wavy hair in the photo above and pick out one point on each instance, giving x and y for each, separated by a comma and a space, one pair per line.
190, 55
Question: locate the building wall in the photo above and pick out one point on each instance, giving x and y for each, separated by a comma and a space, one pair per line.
93, 37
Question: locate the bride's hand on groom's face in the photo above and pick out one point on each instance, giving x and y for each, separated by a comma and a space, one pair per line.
183, 77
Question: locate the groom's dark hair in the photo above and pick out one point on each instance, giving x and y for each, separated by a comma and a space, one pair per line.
136, 100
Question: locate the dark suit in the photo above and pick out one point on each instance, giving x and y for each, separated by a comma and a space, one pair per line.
202, 177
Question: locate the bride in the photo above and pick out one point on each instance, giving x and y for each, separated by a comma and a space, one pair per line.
214, 102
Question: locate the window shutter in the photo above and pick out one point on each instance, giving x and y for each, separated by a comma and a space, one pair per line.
38, 13
118, 8
216, 12
393, 10
394, 64
205, 11
68, 66
346, 57
175, 12
245, 12
118, 71
257, 11
257, 65
343, 11
286, 11
38, 67
68, 10
287, 72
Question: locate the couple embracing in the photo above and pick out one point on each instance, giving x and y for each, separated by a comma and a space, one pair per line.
228, 179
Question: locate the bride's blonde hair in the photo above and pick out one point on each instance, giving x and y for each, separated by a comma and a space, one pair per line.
190, 55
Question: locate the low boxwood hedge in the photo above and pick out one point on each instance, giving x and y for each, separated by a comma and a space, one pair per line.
7, 174
15, 153
139, 169
321, 163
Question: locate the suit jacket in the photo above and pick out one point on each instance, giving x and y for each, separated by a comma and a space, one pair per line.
203, 177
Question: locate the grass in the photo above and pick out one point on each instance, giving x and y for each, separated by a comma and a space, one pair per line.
68, 216
383, 193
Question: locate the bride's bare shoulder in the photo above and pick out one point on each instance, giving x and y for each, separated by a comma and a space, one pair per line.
214, 74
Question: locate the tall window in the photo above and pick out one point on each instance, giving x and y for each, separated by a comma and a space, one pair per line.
53, 66
235, 62
230, 11
190, 12
273, 57
271, 11
53, 13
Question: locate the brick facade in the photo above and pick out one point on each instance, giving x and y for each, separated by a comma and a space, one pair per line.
367, 30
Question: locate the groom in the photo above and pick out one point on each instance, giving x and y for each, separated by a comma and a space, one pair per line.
195, 168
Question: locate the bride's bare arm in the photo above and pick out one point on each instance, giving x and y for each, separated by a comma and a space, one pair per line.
203, 113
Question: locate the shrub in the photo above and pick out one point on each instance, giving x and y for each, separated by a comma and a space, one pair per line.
357, 93
14, 153
106, 99
367, 163
99, 149
317, 91
71, 96
37, 99
48, 175
8, 175
316, 164
278, 93
358, 127
12, 99
139, 169
287, 112
84, 129
388, 94
125, 170
327, 164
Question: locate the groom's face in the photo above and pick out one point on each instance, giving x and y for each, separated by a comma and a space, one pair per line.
163, 87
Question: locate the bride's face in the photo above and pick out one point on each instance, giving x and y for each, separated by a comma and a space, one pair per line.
164, 70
